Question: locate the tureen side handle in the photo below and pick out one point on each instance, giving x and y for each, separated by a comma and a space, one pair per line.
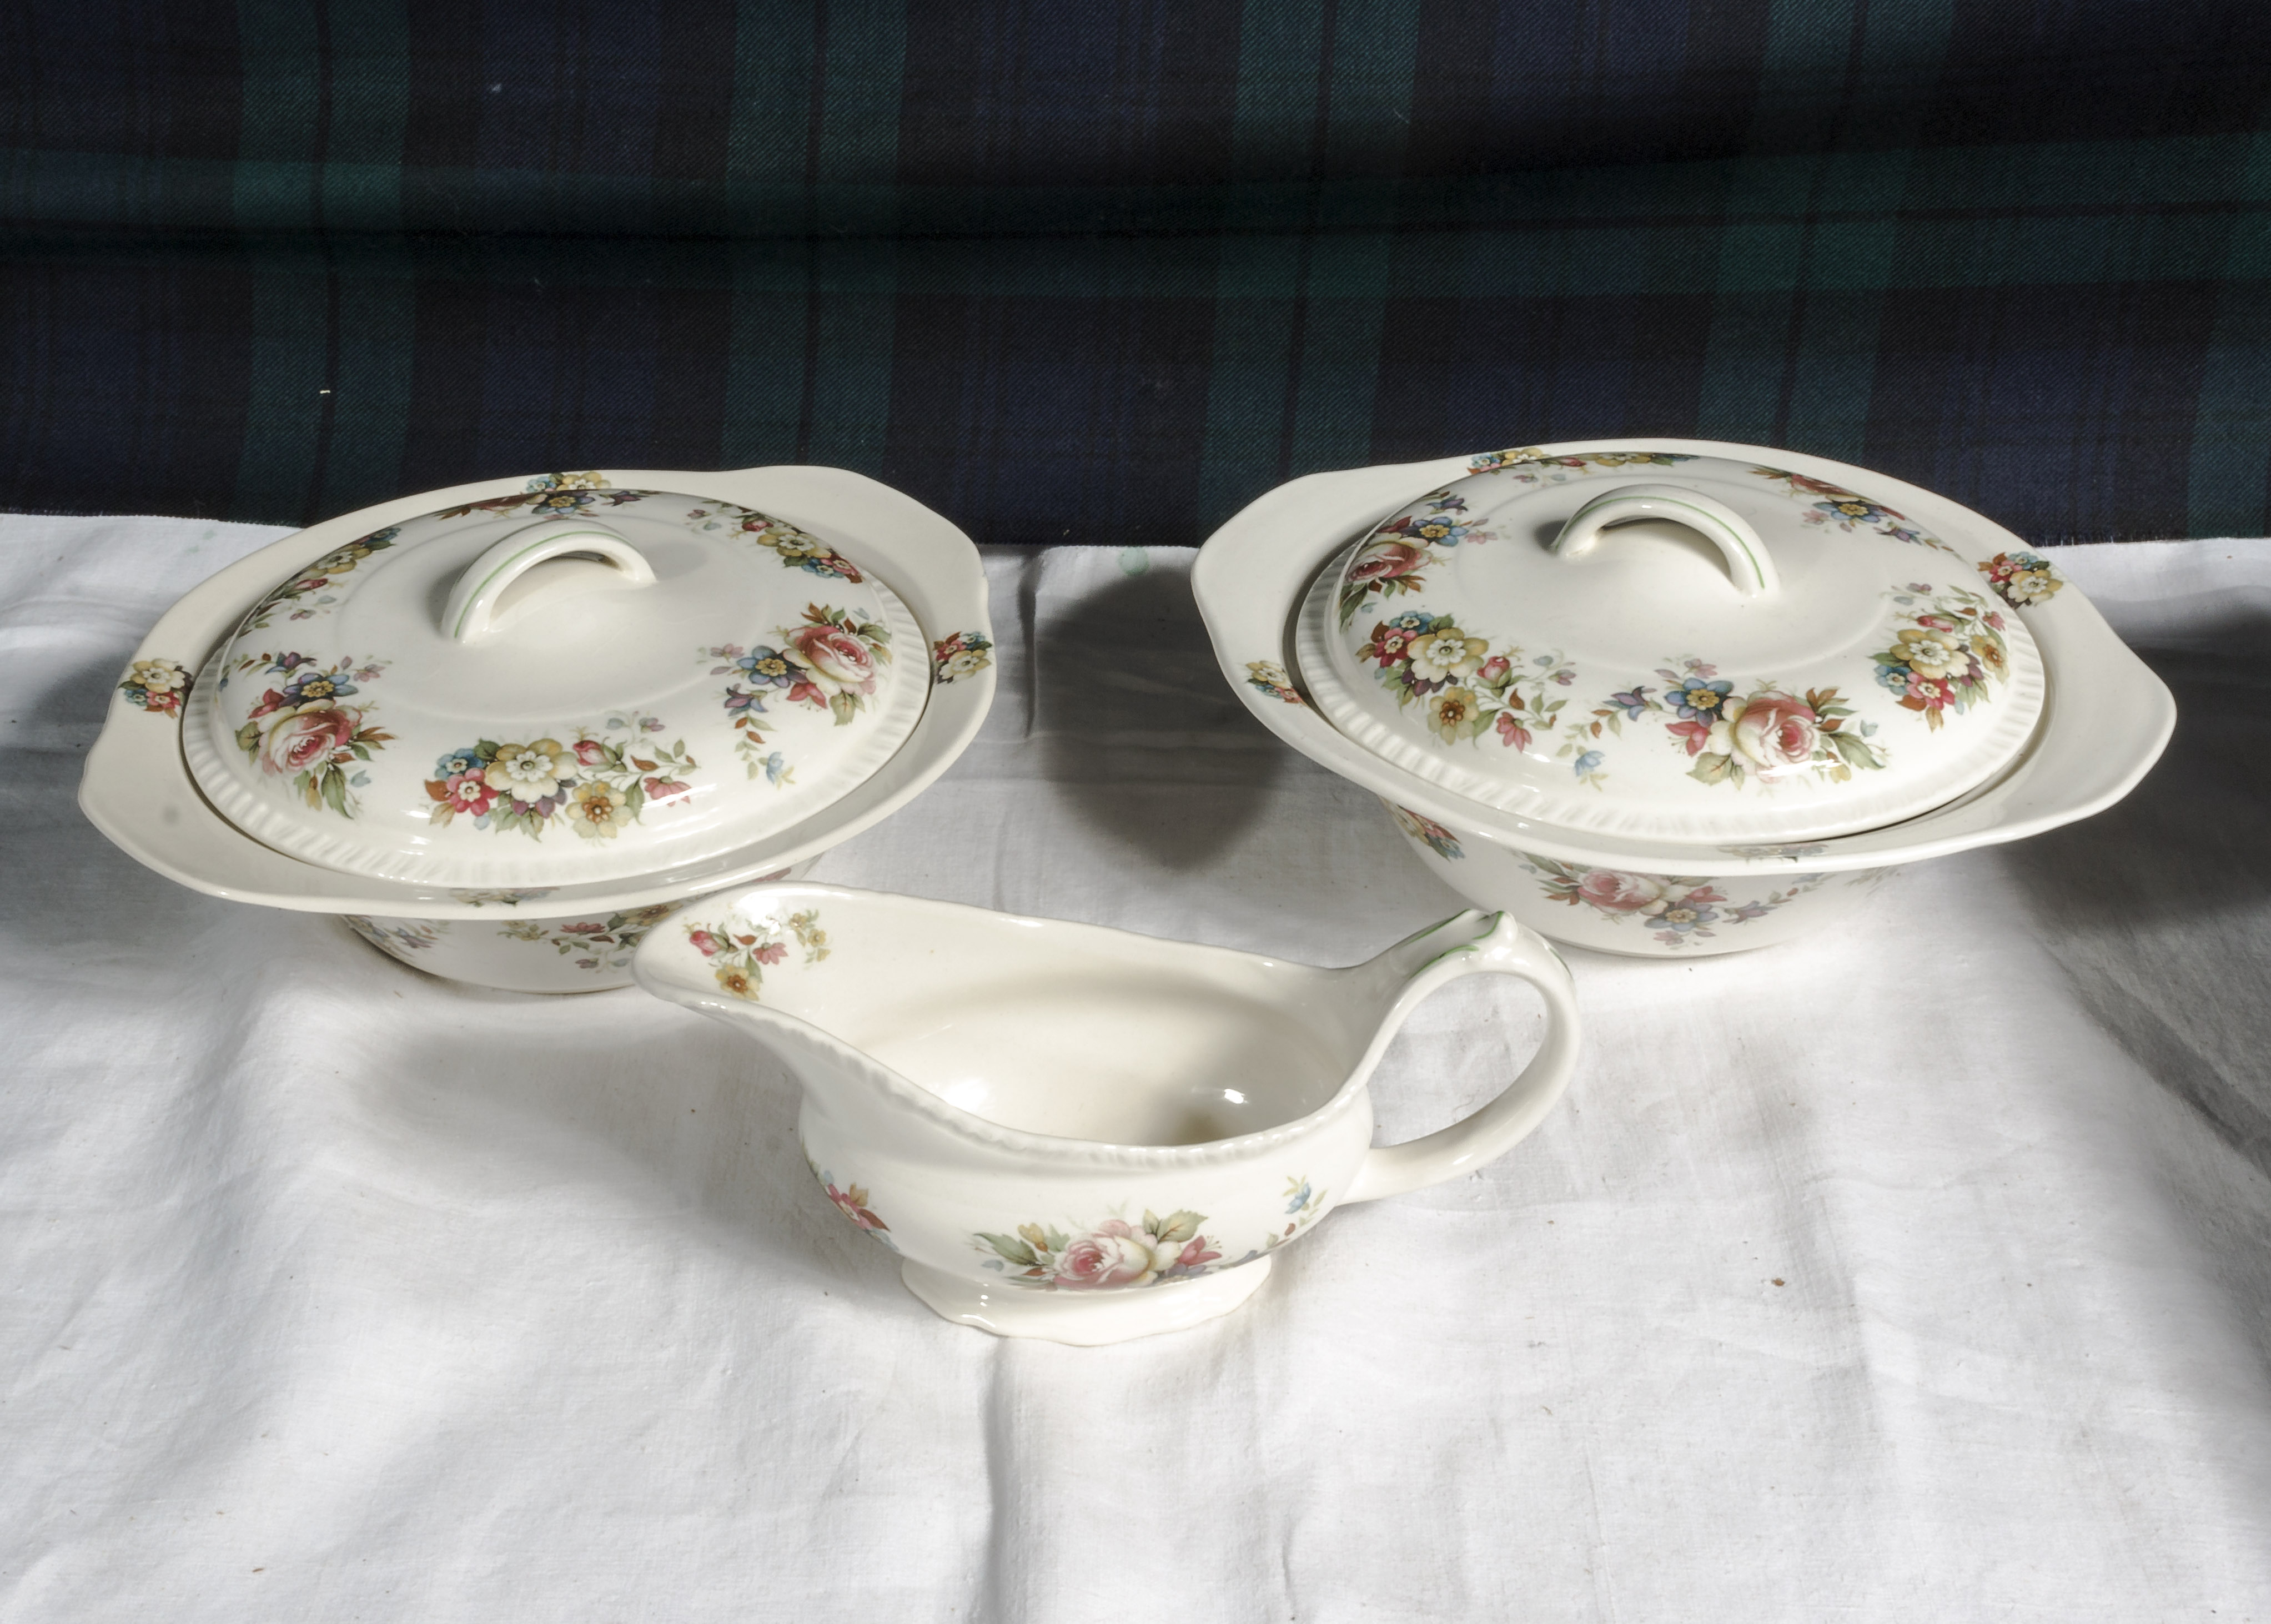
1749, 565
1504, 949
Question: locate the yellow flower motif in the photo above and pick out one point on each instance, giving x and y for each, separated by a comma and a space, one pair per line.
1444, 653
1453, 714
600, 811
529, 772
157, 676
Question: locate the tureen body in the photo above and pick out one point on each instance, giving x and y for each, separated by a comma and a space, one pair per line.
1079, 1133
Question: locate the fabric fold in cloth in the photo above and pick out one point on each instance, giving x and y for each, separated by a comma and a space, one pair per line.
1917, 1270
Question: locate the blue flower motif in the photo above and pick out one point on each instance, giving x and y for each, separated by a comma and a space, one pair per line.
767, 668
1857, 509
1699, 701
468, 760
776, 766
1686, 916
1633, 703
1300, 1198
741, 702
1586, 763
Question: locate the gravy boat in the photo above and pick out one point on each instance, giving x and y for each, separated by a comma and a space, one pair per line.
1081, 1134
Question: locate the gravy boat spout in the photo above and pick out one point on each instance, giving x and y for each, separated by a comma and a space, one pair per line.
1077, 1133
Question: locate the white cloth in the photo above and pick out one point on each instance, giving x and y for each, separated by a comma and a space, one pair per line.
1922, 1270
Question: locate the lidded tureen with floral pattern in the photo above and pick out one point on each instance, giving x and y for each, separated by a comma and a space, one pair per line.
1675, 697
554, 687
504, 731
1670, 645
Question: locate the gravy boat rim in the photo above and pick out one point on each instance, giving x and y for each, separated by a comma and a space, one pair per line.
651, 968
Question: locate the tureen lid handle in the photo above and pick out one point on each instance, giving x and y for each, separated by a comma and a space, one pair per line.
484, 598
1749, 565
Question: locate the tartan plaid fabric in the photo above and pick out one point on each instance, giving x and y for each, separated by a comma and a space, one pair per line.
1103, 275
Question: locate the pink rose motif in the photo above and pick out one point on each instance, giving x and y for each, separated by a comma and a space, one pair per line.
1494, 668
1615, 892
1387, 560
298, 740
590, 752
1116, 1254
708, 945
1777, 730
836, 655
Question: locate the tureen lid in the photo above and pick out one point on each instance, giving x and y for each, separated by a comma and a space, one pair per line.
1670, 645
573, 683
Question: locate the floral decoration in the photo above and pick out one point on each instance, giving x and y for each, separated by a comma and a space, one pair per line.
302, 732
402, 939
555, 496
1840, 509
831, 663
305, 591
1534, 466
740, 958
1391, 561
1107, 1256
1824, 503
1119, 1255
1679, 908
1468, 691
851, 1200
513, 898
1944, 652
2022, 578
157, 686
597, 783
966, 653
603, 943
805, 927
796, 550
1272, 678
1489, 460
1437, 839
1767, 733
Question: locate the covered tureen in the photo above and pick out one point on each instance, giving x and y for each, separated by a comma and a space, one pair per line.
506, 729
1674, 697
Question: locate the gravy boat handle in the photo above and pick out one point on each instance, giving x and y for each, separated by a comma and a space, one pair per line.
1475, 944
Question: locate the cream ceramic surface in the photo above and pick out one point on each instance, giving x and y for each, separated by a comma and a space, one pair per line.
2105, 716
1750, 653
1079, 1133
629, 680
1640, 915
137, 789
505, 948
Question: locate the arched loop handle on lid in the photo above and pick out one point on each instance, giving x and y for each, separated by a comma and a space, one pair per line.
484, 591
1749, 565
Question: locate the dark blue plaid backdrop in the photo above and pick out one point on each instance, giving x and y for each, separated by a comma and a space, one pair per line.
1104, 273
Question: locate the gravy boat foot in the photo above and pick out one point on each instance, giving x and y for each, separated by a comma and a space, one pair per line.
1081, 1134
1085, 1319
